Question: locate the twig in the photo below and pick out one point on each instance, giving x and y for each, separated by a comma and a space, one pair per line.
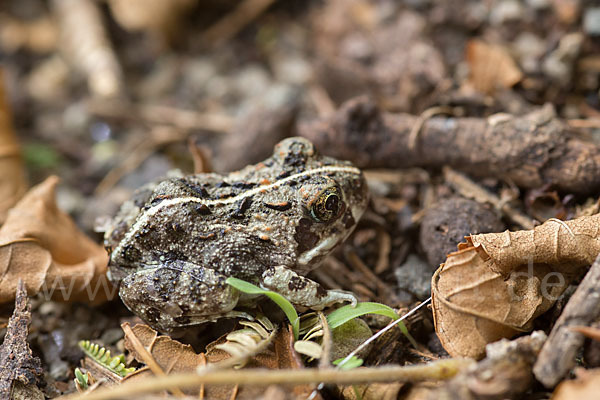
86, 44
159, 136
438, 370
587, 331
234, 392
201, 393
384, 249
472, 190
591, 123
325, 361
381, 332
558, 354
321, 100
530, 150
369, 341
200, 157
231, 24
413, 136
162, 115
377, 283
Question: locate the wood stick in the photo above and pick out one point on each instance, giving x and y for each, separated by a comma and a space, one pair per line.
558, 354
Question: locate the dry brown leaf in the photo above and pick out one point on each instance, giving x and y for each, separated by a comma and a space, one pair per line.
171, 355
13, 184
585, 387
42, 245
496, 284
175, 357
373, 391
491, 66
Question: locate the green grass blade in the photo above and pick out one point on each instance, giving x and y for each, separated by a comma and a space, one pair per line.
347, 313
282, 302
353, 362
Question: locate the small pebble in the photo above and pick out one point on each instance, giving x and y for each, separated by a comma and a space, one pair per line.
591, 21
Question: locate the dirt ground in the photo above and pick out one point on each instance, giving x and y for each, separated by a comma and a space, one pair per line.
475, 123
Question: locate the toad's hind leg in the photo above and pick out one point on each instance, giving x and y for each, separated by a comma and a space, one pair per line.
177, 294
302, 291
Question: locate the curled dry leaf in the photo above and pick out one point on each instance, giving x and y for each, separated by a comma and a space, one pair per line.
496, 284
12, 175
42, 245
175, 357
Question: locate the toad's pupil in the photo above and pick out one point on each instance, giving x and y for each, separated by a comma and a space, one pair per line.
331, 203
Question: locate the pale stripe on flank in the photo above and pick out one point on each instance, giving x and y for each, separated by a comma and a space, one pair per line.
143, 219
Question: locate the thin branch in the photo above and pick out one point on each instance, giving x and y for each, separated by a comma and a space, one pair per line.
468, 188
438, 370
232, 23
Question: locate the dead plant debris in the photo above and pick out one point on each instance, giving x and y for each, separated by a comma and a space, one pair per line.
471, 120
18, 362
42, 246
520, 275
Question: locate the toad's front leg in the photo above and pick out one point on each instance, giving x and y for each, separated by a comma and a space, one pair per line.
302, 291
177, 294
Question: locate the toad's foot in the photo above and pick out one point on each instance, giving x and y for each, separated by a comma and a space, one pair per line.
303, 291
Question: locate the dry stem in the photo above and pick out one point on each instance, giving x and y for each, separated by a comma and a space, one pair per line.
443, 369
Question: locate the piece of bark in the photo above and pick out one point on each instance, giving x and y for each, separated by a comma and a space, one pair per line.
447, 223
530, 150
558, 354
17, 362
504, 374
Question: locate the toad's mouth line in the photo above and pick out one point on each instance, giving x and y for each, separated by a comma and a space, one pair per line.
329, 242
323, 247
146, 216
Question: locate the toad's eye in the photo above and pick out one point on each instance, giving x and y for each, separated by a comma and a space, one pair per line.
328, 205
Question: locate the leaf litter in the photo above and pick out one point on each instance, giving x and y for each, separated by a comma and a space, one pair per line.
478, 111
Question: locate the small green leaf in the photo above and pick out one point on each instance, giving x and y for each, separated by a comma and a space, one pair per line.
103, 358
282, 302
40, 156
81, 379
353, 362
346, 313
